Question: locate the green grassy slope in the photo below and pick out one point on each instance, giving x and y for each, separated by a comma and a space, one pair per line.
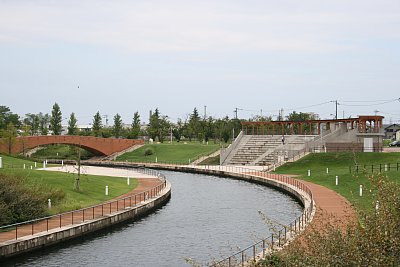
338, 164
170, 153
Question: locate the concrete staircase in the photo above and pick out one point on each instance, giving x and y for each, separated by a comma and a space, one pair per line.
255, 146
267, 150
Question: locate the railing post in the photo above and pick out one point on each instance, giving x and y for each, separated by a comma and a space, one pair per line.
272, 241
279, 240
93, 213
83, 215
60, 220
242, 258
16, 232
47, 222
32, 227
254, 252
263, 244
285, 234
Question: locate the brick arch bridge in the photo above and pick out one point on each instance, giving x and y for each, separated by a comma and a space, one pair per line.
98, 146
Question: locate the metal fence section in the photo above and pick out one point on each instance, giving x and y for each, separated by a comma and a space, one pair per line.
381, 167
90, 213
278, 239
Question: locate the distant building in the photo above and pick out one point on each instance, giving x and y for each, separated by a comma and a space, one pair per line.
390, 131
398, 135
81, 128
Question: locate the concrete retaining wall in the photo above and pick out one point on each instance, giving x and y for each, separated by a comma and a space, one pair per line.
54, 236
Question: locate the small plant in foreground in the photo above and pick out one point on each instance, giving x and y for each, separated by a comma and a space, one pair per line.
374, 241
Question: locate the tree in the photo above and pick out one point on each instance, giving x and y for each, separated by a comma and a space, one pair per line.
6, 117
194, 125
9, 135
26, 130
44, 120
55, 120
33, 121
178, 130
164, 128
72, 127
117, 128
154, 124
135, 127
299, 117
97, 124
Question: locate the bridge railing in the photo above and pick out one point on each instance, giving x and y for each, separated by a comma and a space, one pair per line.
45, 224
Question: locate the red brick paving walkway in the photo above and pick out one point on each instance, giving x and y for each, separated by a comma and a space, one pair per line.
331, 205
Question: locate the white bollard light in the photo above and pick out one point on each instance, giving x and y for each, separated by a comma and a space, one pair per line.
156, 159
189, 161
62, 163
49, 203
128, 181
386, 167
24, 166
1, 162
361, 190
31, 167
377, 205
309, 173
44, 164
337, 180
35, 164
106, 190
327, 170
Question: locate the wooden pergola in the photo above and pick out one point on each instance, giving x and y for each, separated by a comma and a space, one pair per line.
365, 124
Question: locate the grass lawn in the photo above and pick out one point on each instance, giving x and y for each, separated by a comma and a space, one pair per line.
60, 151
179, 153
338, 164
92, 186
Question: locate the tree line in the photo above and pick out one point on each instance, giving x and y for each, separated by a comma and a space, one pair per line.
159, 128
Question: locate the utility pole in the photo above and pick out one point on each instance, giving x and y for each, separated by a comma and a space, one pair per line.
236, 113
336, 104
336, 110
205, 112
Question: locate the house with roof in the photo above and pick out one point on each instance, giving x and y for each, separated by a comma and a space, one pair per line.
390, 131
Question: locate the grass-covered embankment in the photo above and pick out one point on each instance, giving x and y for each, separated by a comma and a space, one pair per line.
338, 164
92, 187
60, 151
177, 152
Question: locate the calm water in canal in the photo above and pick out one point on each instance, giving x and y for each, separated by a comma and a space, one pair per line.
207, 217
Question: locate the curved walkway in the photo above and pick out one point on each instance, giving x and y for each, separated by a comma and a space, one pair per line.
145, 183
331, 207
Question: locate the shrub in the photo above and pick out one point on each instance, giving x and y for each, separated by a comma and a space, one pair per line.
148, 152
22, 202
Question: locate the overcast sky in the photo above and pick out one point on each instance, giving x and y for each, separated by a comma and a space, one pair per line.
128, 56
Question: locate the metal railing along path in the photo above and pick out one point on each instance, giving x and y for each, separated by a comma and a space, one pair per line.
17, 230
275, 240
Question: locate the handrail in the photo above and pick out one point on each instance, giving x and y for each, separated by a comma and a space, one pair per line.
120, 204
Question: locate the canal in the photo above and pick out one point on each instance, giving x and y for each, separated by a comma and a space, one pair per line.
207, 218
